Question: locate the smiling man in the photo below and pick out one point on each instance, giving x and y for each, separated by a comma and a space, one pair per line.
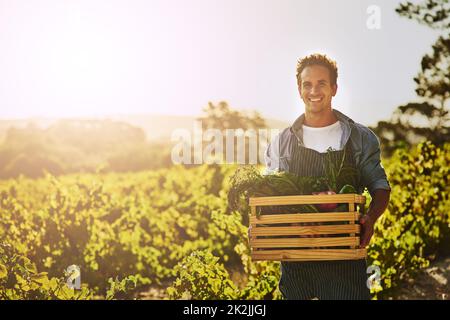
301, 149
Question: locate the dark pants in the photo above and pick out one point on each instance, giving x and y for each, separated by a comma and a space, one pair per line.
325, 280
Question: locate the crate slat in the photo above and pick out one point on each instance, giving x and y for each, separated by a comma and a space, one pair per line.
309, 255
360, 199
304, 242
306, 199
304, 217
351, 207
305, 230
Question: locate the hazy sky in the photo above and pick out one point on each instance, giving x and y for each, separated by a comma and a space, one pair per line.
97, 57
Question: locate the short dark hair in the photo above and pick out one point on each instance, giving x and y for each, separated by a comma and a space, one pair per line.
318, 59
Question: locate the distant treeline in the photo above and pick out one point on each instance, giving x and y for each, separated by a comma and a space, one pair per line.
71, 146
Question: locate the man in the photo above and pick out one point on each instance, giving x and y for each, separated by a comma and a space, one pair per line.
300, 149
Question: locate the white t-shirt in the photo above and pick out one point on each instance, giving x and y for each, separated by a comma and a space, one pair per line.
320, 139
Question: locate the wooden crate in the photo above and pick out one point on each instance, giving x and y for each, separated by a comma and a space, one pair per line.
306, 236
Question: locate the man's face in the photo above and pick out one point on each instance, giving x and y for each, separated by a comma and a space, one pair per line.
316, 89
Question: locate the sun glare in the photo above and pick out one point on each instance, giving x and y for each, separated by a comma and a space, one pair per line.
80, 70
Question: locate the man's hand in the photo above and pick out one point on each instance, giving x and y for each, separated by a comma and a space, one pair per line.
367, 227
380, 200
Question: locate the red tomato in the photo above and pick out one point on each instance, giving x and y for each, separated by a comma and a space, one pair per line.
326, 206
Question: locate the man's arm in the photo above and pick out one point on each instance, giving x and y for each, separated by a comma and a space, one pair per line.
379, 203
375, 179
373, 175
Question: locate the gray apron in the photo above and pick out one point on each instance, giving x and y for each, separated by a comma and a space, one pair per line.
325, 280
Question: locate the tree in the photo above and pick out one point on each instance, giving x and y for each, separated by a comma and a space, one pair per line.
433, 13
222, 117
433, 82
429, 119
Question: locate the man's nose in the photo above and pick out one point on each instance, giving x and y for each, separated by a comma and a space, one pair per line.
315, 90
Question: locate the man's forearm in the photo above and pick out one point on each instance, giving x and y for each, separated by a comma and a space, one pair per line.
379, 203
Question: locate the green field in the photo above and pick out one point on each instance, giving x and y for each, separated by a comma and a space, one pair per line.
169, 234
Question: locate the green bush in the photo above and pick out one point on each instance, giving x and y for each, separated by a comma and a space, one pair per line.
20, 280
416, 225
202, 277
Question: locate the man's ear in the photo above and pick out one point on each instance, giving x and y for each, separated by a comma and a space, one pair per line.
334, 88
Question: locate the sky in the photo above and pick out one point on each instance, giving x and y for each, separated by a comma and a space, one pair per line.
65, 58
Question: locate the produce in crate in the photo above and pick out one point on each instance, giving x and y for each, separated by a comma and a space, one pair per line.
248, 182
